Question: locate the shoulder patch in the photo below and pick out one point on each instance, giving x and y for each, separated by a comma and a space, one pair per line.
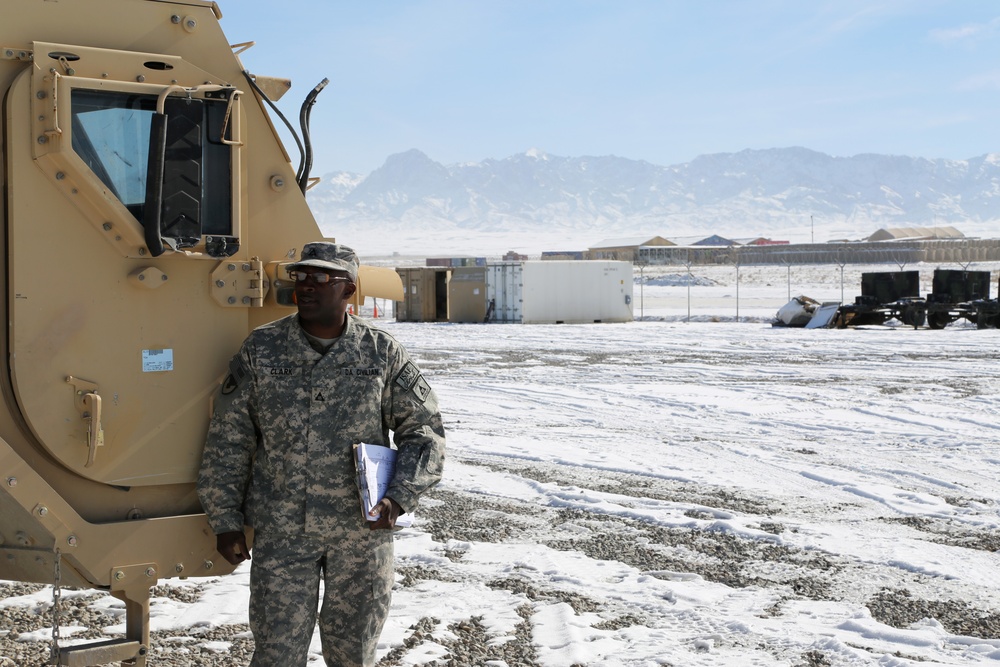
238, 372
410, 378
407, 376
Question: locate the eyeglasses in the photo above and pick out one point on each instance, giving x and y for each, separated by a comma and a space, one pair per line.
318, 277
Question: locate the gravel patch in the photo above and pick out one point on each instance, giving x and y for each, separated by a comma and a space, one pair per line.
719, 556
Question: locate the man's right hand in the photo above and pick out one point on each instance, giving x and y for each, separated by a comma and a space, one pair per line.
233, 546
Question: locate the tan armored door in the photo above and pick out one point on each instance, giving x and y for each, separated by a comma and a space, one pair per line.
114, 354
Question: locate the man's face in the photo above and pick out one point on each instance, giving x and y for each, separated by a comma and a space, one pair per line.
323, 304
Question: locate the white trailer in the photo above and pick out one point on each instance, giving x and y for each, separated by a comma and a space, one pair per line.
559, 292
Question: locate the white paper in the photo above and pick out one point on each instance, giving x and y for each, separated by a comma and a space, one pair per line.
376, 465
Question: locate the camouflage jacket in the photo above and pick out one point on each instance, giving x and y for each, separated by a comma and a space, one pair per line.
279, 452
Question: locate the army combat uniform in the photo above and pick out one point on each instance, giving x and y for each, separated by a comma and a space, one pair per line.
279, 458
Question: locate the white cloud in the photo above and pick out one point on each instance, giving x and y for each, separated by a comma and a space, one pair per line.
966, 33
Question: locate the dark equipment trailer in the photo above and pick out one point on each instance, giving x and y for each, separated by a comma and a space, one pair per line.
988, 311
954, 296
896, 294
884, 296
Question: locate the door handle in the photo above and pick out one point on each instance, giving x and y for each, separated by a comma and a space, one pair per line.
95, 434
88, 402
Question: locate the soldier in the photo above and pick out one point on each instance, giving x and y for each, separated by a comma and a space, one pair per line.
301, 392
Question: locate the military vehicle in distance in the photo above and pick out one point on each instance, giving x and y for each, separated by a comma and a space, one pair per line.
148, 210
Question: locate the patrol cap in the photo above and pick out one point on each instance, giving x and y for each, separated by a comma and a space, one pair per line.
326, 255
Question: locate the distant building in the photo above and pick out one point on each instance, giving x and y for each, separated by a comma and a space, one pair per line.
759, 241
716, 240
512, 256
625, 250
713, 240
562, 255
456, 261
916, 234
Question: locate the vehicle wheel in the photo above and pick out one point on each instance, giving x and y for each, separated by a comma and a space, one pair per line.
937, 320
913, 316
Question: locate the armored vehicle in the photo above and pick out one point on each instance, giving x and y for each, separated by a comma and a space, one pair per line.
148, 210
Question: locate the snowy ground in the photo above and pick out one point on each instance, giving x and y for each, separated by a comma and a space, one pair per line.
696, 488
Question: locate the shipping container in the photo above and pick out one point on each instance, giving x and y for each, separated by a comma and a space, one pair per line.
560, 292
467, 295
530, 292
503, 292
425, 295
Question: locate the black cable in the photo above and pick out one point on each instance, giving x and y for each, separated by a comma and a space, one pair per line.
298, 142
304, 114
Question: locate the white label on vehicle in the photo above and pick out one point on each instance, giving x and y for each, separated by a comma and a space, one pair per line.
157, 360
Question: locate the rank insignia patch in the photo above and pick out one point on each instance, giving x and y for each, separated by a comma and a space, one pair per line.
237, 373
421, 389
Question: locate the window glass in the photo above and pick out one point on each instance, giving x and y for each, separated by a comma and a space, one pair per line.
111, 134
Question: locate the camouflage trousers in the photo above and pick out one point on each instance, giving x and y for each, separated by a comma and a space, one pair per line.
357, 576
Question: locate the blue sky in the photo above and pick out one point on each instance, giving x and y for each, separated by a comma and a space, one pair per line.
662, 81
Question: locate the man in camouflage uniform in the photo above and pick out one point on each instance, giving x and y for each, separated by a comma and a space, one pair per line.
279, 457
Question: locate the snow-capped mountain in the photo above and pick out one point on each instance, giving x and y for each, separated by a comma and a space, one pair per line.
573, 202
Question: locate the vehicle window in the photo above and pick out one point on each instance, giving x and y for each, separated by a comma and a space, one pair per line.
111, 134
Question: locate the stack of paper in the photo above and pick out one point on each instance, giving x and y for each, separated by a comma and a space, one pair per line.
376, 464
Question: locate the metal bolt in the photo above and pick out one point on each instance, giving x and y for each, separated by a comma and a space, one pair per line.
142, 251
9, 53
191, 24
209, 565
41, 94
231, 299
246, 300
70, 71
119, 575
179, 568
60, 175
12, 481
231, 267
42, 510
150, 572
175, 19
142, 276
246, 266
43, 139
140, 78
72, 541
107, 226
163, 276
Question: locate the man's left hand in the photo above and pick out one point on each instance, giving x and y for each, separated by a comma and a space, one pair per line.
387, 510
